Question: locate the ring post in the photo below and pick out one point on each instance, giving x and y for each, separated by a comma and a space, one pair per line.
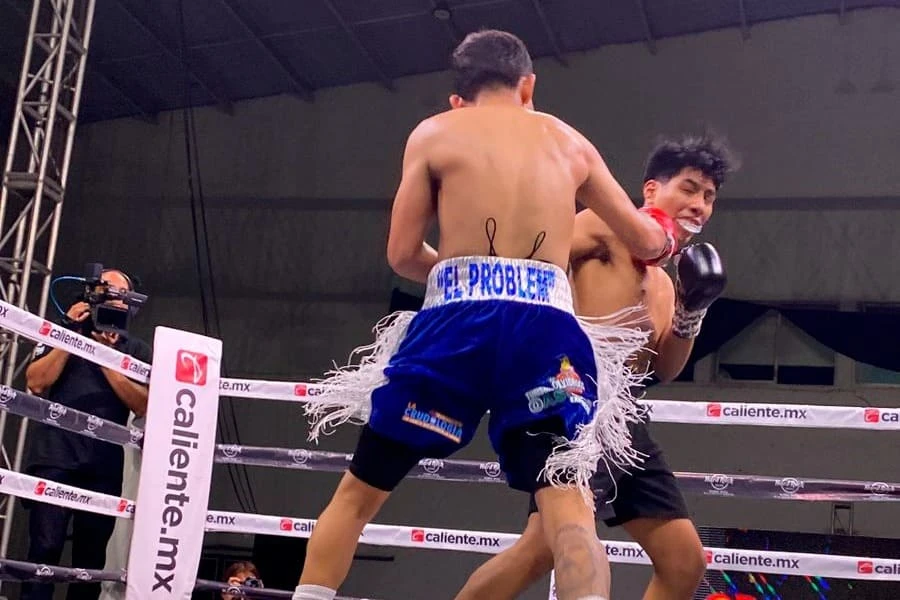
176, 469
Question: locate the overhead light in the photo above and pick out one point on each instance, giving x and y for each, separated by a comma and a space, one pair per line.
441, 11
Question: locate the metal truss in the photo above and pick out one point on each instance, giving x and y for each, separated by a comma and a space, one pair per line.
34, 181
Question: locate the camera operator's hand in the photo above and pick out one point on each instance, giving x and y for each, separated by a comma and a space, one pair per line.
78, 312
48, 364
108, 338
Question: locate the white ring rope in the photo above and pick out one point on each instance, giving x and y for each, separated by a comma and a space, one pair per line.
459, 540
19, 570
712, 484
39, 330
174, 399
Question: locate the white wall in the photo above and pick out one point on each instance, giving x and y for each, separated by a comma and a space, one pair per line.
774, 95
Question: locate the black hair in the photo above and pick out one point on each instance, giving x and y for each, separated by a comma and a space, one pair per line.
708, 153
489, 58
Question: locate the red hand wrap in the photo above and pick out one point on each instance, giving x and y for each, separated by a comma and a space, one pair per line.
668, 225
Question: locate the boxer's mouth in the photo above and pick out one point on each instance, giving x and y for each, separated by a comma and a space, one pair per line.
691, 226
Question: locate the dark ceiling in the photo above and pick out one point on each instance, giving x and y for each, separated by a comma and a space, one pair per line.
239, 49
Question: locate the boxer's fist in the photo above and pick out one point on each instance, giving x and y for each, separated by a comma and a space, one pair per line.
699, 279
700, 276
668, 225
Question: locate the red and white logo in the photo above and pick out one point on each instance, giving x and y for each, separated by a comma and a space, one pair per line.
709, 557
45, 328
302, 389
190, 367
865, 567
126, 362
714, 410
871, 415
418, 535
123, 504
40, 487
286, 525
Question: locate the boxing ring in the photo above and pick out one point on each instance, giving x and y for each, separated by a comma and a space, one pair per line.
175, 478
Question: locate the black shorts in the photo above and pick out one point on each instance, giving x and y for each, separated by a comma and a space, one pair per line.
383, 462
650, 491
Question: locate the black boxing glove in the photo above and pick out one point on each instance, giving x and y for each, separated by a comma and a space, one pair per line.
699, 279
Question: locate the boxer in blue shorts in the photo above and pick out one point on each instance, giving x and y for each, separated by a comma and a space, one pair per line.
497, 332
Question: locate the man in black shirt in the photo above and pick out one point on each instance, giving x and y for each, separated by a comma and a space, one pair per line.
73, 459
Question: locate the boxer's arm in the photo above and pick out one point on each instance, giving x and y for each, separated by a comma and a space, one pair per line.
700, 278
645, 238
413, 210
672, 352
587, 236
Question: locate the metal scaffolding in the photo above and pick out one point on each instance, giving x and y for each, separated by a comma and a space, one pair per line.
34, 181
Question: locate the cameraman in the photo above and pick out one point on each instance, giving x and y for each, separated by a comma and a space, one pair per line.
73, 459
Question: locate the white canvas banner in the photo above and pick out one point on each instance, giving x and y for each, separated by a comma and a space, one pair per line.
176, 470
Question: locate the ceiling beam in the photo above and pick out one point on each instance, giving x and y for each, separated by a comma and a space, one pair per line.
146, 113
18, 8
300, 85
205, 81
648, 32
455, 31
842, 12
450, 27
386, 81
551, 34
745, 23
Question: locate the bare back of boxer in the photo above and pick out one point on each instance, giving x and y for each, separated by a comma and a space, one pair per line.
504, 180
507, 179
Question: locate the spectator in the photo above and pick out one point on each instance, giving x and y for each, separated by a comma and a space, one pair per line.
241, 573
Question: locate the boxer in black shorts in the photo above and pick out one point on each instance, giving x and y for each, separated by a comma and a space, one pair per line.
650, 492
682, 179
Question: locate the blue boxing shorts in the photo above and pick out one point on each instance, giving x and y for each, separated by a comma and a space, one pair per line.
495, 335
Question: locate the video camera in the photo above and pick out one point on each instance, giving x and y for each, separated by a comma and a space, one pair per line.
98, 293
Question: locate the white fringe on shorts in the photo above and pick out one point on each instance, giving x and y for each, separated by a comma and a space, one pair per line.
605, 441
346, 393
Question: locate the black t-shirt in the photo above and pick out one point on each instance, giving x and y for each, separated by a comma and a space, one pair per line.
83, 386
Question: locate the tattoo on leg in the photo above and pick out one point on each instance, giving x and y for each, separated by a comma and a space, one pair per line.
577, 562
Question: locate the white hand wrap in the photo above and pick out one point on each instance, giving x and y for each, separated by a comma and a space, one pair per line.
687, 324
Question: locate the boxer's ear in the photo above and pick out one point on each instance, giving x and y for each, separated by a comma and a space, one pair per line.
650, 189
526, 90
456, 101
